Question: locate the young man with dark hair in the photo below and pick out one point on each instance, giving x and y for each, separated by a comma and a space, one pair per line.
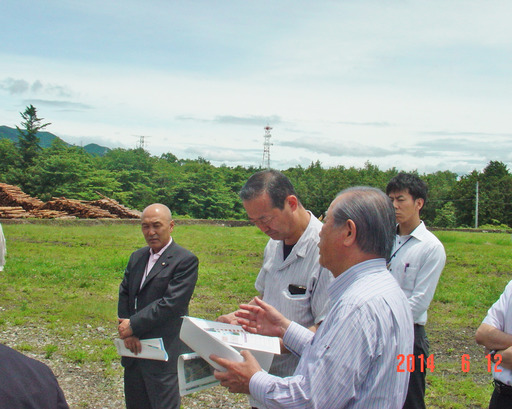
416, 261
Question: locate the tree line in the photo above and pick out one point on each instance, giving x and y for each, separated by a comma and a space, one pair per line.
198, 189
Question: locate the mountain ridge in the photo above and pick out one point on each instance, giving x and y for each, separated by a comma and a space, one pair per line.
46, 139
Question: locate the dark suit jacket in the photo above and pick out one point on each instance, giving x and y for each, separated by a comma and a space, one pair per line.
27, 384
156, 309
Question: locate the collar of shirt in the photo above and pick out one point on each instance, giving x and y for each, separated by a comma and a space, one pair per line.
155, 256
301, 247
340, 284
418, 233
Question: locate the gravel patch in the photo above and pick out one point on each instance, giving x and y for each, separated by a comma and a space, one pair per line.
86, 386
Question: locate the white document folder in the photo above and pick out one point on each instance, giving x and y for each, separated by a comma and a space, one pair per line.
152, 348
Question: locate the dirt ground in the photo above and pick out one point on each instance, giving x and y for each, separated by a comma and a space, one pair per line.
448, 346
85, 385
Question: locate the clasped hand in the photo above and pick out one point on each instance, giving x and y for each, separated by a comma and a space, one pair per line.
126, 334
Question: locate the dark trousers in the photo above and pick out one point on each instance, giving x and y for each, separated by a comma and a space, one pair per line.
501, 397
145, 390
416, 392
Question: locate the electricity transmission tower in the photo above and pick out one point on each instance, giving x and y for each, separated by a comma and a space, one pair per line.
266, 147
141, 143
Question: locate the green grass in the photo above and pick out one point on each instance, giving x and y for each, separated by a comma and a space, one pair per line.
62, 281
65, 278
478, 267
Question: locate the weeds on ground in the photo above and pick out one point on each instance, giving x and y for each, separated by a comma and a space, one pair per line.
64, 280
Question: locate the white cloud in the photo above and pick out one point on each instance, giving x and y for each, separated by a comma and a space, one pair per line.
398, 84
14, 87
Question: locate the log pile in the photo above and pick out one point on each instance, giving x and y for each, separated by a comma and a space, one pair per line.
13, 196
49, 214
13, 212
77, 208
14, 204
115, 208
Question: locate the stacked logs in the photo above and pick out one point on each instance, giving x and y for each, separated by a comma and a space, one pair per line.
77, 208
13, 196
14, 204
15, 212
50, 214
116, 208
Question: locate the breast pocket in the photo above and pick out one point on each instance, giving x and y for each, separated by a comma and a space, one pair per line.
297, 298
408, 280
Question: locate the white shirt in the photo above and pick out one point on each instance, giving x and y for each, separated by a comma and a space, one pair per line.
301, 268
500, 316
3, 249
351, 361
416, 262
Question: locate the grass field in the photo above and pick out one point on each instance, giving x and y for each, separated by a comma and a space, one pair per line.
62, 280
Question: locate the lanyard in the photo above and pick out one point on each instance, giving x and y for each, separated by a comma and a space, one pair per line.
396, 251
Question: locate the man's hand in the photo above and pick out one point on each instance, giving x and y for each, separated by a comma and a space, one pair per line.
228, 319
506, 358
262, 319
133, 344
124, 328
238, 374
231, 317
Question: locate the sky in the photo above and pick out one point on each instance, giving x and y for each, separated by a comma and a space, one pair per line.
415, 85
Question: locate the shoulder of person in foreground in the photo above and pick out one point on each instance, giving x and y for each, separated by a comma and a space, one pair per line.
29, 380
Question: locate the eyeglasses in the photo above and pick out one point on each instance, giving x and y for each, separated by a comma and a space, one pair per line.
263, 221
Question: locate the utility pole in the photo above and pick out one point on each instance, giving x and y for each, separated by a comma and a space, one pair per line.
476, 206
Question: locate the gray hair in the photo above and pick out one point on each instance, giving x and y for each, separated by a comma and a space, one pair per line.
374, 216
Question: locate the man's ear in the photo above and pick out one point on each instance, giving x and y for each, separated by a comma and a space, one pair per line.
350, 233
420, 203
292, 201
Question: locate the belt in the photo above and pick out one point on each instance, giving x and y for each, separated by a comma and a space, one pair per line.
502, 388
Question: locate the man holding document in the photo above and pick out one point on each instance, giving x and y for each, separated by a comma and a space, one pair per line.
351, 361
155, 292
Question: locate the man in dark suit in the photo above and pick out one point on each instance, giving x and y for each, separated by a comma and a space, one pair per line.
27, 383
153, 296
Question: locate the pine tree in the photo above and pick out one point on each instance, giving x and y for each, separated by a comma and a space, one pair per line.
28, 141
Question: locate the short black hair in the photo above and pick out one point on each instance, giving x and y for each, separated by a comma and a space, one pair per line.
409, 182
270, 181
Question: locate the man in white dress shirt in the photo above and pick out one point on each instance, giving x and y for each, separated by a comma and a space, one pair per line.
495, 333
351, 360
416, 261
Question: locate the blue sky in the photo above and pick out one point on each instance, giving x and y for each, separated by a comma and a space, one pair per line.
406, 84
